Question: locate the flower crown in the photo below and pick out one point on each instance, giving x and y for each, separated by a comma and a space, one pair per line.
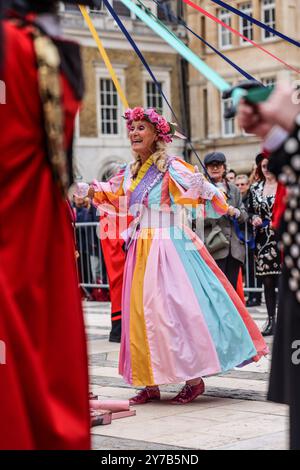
165, 129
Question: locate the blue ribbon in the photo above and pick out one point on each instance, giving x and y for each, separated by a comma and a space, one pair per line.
251, 242
147, 67
257, 22
169, 13
241, 236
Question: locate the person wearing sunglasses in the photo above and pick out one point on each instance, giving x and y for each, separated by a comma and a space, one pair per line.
267, 254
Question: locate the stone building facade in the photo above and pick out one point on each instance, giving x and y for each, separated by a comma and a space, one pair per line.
209, 130
101, 135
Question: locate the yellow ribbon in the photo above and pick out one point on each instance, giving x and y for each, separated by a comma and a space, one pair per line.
104, 56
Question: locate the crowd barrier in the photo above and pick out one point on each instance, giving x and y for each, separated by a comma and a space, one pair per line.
91, 265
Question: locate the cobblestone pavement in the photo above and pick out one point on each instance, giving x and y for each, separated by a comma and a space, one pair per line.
232, 414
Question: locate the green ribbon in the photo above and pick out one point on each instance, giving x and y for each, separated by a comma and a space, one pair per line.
177, 44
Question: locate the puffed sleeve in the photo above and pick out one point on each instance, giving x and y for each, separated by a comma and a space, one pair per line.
107, 195
183, 193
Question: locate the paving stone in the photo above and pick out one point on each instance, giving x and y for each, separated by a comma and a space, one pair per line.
232, 414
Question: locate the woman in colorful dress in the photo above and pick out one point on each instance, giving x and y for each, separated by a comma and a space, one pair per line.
182, 319
261, 204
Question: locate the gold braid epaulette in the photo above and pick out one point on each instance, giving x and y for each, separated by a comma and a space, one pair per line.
50, 87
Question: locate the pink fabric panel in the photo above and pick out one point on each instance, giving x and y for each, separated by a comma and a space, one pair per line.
181, 346
124, 359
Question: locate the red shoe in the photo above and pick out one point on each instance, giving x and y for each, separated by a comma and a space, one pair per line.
188, 393
145, 395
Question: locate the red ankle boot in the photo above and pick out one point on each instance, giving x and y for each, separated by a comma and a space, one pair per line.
188, 393
145, 395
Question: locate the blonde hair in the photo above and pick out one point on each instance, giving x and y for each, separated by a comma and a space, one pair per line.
159, 159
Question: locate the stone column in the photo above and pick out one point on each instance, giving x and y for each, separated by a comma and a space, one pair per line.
257, 32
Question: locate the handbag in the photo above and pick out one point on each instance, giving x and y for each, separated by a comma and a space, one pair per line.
216, 240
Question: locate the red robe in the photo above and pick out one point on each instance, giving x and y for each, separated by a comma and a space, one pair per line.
44, 383
279, 206
240, 287
114, 258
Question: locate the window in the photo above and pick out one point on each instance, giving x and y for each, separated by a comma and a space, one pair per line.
225, 36
120, 8
228, 125
165, 12
203, 32
66, 7
268, 17
153, 97
97, 10
246, 27
109, 107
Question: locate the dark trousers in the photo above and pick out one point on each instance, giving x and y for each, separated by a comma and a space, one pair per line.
285, 370
230, 267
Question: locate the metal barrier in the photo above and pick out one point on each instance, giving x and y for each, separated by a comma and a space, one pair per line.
249, 268
91, 265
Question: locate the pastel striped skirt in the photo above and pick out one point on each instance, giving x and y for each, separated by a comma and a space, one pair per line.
182, 319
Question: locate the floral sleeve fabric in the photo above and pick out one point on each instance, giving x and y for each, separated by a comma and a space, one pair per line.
184, 193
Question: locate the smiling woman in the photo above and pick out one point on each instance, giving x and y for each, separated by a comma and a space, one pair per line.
181, 318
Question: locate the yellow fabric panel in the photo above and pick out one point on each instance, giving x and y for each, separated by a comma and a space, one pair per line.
178, 194
142, 373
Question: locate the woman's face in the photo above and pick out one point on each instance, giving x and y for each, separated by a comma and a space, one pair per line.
143, 137
264, 167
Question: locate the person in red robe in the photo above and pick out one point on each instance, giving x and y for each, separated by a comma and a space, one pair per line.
112, 245
43, 370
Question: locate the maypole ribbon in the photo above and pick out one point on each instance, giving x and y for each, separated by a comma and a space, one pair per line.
237, 33
178, 45
223, 56
138, 53
104, 56
257, 22
147, 67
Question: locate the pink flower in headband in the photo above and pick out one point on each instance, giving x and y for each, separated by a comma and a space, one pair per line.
152, 115
167, 138
163, 126
128, 114
138, 114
